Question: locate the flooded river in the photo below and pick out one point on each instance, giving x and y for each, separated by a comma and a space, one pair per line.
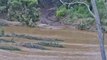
69, 35
78, 45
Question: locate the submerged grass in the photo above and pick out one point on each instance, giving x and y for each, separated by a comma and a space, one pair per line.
10, 48
6, 41
32, 37
51, 44
34, 45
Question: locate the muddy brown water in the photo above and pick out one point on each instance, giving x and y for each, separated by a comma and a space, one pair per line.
68, 35
79, 45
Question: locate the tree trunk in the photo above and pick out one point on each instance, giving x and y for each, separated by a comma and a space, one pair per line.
99, 29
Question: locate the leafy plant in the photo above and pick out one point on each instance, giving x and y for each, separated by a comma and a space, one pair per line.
86, 24
3, 6
24, 11
61, 11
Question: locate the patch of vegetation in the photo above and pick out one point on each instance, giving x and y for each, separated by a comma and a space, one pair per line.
51, 44
24, 11
34, 45
61, 11
51, 39
6, 41
32, 37
27, 11
10, 48
1, 31
79, 11
103, 13
85, 24
3, 6
74, 14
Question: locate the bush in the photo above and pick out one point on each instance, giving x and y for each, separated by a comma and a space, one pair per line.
74, 13
3, 6
61, 11
102, 9
86, 24
24, 11
79, 11
103, 13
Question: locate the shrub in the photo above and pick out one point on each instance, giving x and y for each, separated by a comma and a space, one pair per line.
71, 14
3, 6
24, 11
80, 11
61, 11
102, 8
86, 24
103, 13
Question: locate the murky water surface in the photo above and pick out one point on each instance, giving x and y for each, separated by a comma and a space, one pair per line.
80, 45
